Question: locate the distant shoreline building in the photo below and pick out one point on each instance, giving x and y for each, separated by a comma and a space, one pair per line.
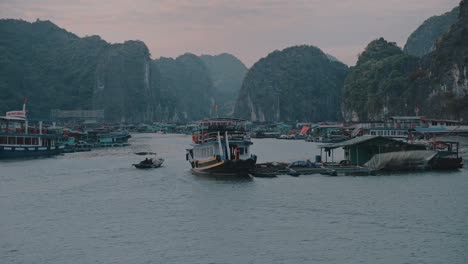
78, 116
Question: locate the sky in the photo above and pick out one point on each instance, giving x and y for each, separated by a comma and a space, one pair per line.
248, 29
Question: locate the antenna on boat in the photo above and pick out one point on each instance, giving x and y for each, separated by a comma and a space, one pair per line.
24, 105
219, 145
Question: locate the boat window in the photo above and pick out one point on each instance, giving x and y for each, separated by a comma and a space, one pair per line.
3, 140
35, 141
20, 140
27, 141
241, 151
11, 140
434, 123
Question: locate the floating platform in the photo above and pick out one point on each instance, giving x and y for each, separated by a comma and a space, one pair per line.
273, 169
110, 145
348, 171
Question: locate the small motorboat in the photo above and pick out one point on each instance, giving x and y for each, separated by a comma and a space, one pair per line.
149, 163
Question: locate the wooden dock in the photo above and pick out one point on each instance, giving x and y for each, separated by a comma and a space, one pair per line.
273, 169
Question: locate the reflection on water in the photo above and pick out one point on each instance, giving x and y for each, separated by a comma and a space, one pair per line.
94, 207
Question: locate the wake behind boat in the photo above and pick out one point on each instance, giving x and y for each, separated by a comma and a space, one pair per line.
221, 147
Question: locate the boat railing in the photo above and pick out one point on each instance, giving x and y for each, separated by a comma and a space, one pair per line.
31, 130
213, 136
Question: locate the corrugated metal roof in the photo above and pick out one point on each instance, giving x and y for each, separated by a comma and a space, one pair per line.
352, 141
356, 140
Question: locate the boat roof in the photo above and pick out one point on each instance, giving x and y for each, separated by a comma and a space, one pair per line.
222, 121
31, 135
439, 120
350, 142
12, 118
407, 117
358, 140
431, 129
240, 142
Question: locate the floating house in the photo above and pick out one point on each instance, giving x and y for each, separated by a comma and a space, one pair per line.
359, 150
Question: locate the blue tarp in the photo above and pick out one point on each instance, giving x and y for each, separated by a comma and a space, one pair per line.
431, 129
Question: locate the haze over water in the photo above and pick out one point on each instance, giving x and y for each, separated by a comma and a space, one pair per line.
95, 208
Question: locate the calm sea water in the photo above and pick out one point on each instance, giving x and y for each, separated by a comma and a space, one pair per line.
95, 208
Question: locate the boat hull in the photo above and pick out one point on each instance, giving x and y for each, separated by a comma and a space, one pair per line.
446, 163
147, 166
29, 152
226, 168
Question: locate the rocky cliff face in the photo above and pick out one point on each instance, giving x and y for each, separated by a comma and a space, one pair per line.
387, 82
227, 73
56, 69
122, 85
52, 67
424, 39
443, 76
296, 84
378, 85
186, 90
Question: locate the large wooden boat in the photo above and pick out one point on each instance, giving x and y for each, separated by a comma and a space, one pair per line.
221, 147
21, 137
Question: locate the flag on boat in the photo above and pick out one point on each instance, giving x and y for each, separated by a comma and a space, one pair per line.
304, 130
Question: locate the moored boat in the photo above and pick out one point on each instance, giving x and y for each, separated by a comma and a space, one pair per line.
221, 147
20, 137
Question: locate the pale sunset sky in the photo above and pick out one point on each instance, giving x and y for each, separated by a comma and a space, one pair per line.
247, 29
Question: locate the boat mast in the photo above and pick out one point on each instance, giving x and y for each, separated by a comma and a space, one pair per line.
219, 145
227, 146
26, 123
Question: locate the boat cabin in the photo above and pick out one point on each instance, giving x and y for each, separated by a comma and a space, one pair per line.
19, 132
226, 138
359, 150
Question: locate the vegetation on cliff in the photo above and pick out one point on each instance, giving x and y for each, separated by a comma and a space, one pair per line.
442, 80
423, 40
377, 85
52, 67
56, 69
385, 81
227, 73
296, 84
186, 90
